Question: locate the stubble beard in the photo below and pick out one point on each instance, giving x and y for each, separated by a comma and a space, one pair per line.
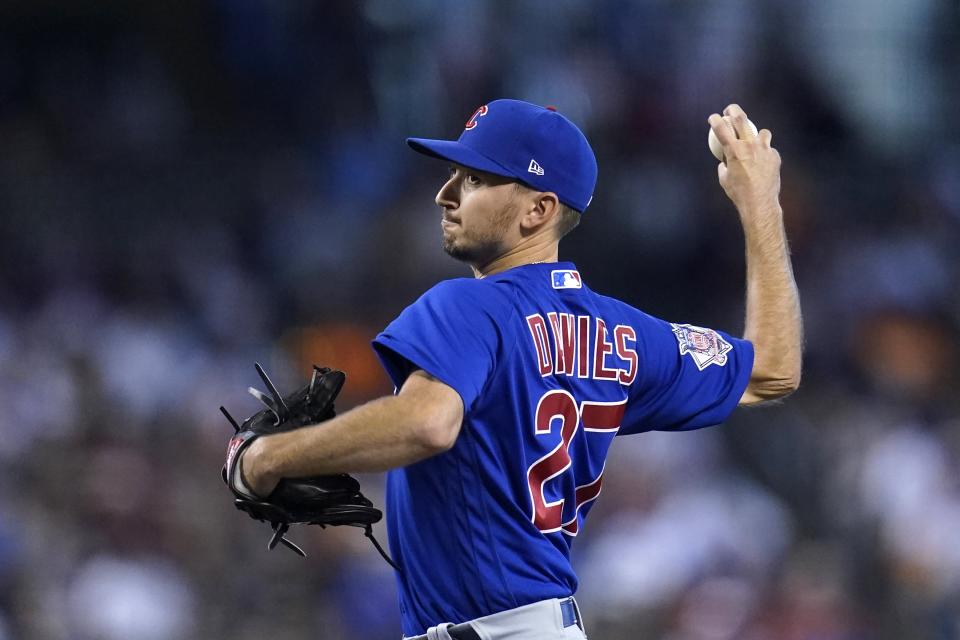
484, 247
474, 253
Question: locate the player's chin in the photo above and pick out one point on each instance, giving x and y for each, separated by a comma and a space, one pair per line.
453, 239
458, 250
452, 248
472, 252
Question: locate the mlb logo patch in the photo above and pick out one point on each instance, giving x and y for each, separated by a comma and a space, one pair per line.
566, 279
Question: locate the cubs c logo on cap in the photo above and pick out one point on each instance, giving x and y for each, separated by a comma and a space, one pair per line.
472, 122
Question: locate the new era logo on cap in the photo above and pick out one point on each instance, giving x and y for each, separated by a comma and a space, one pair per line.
535, 168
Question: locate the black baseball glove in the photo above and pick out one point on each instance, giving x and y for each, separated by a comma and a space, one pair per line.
322, 500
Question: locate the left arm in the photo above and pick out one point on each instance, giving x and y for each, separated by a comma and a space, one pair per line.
393, 431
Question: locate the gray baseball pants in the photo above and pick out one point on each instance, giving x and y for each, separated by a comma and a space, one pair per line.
554, 619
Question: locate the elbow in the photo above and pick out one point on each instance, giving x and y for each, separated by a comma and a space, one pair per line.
767, 387
776, 374
435, 423
436, 434
776, 388
432, 413
783, 383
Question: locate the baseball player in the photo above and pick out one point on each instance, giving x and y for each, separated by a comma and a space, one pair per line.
512, 385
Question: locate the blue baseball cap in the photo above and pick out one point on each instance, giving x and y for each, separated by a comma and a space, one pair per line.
532, 144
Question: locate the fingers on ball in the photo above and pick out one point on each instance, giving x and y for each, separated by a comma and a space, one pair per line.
722, 129
735, 112
738, 119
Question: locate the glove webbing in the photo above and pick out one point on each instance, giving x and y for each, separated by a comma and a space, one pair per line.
279, 535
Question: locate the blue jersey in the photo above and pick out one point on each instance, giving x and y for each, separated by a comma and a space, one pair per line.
549, 373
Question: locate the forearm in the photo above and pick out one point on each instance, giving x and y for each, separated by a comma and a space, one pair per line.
376, 436
773, 318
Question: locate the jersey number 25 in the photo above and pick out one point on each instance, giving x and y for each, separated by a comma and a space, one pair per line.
596, 417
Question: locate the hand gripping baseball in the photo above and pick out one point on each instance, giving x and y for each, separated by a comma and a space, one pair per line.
322, 500
750, 174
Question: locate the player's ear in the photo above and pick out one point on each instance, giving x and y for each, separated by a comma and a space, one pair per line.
543, 207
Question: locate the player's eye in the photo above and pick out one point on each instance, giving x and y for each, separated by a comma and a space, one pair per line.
473, 178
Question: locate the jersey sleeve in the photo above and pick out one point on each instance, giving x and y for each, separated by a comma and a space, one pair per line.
451, 332
689, 377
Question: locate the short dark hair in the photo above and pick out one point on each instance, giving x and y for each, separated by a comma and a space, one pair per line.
569, 217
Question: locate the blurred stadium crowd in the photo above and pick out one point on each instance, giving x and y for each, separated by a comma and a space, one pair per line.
189, 186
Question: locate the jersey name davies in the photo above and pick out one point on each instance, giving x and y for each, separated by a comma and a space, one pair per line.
562, 344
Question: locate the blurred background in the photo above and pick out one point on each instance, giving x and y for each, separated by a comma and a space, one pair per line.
189, 186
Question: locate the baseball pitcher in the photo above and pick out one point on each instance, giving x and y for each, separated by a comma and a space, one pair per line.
512, 385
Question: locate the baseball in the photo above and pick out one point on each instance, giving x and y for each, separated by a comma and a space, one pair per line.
714, 143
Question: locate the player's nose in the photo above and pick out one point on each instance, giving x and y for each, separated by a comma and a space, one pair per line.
447, 196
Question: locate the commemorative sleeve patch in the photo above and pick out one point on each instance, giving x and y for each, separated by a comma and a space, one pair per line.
705, 346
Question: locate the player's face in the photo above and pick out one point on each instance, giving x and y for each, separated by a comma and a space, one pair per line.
480, 213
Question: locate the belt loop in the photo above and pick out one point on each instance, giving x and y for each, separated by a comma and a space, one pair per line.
576, 608
439, 632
